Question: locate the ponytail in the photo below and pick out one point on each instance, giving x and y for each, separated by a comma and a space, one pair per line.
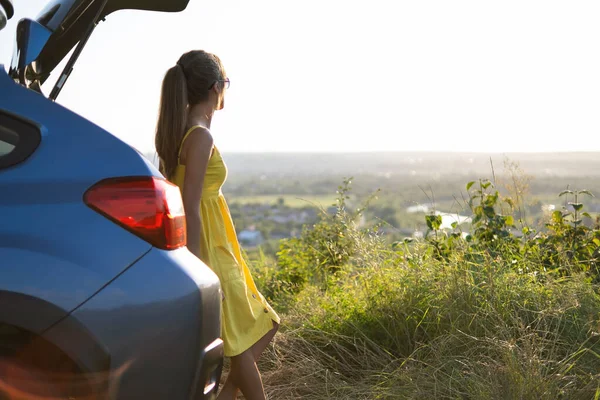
172, 119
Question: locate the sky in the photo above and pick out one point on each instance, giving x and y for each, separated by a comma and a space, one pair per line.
348, 76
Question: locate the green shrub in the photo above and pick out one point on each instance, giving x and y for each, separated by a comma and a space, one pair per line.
318, 257
501, 314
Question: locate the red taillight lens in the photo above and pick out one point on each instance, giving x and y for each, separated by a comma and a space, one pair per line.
149, 207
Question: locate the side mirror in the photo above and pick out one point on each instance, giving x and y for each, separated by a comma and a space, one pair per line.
6, 12
30, 40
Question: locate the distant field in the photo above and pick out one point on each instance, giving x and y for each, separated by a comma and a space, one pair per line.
289, 200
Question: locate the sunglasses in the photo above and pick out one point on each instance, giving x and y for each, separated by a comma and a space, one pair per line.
226, 83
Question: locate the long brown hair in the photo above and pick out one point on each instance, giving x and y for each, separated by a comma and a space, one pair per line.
186, 84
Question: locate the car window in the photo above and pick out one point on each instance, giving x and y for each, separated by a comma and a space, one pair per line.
8, 141
18, 140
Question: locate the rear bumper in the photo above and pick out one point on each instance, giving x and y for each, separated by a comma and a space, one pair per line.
208, 372
159, 324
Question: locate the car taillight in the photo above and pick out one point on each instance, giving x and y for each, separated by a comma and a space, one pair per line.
149, 207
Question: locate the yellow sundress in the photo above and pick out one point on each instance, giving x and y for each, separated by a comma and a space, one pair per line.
246, 316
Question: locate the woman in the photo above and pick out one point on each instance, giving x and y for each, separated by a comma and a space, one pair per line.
192, 91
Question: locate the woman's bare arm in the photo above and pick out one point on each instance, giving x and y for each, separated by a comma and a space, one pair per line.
196, 154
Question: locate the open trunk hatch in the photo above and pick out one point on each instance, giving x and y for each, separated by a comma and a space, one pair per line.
72, 22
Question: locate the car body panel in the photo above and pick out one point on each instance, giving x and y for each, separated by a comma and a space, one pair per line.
46, 248
163, 303
72, 338
28, 312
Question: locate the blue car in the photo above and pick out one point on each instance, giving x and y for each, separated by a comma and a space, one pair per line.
99, 296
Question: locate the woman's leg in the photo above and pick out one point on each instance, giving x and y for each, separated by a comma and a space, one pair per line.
243, 374
243, 371
261, 345
229, 391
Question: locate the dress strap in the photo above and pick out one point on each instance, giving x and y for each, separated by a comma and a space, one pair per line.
185, 137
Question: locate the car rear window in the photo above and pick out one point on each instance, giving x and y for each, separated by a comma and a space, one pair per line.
18, 140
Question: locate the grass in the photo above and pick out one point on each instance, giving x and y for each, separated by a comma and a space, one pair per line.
415, 322
439, 330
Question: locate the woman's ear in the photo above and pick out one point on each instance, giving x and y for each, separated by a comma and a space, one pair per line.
220, 91
216, 94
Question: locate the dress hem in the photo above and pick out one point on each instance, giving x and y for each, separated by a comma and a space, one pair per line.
254, 341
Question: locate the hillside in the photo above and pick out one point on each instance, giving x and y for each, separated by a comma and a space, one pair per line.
504, 307
486, 316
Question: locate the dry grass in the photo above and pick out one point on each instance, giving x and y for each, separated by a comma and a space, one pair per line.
529, 340
434, 320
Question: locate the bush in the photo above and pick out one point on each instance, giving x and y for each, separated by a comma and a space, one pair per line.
317, 257
494, 315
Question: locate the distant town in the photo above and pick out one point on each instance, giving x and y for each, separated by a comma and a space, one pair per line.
273, 196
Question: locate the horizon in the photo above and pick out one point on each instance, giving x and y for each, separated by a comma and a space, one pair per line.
243, 165
457, 152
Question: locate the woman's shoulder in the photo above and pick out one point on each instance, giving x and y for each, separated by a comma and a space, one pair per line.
198, 136
198, 132
197, 139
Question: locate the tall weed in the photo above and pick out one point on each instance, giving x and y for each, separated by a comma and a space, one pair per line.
503, 313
